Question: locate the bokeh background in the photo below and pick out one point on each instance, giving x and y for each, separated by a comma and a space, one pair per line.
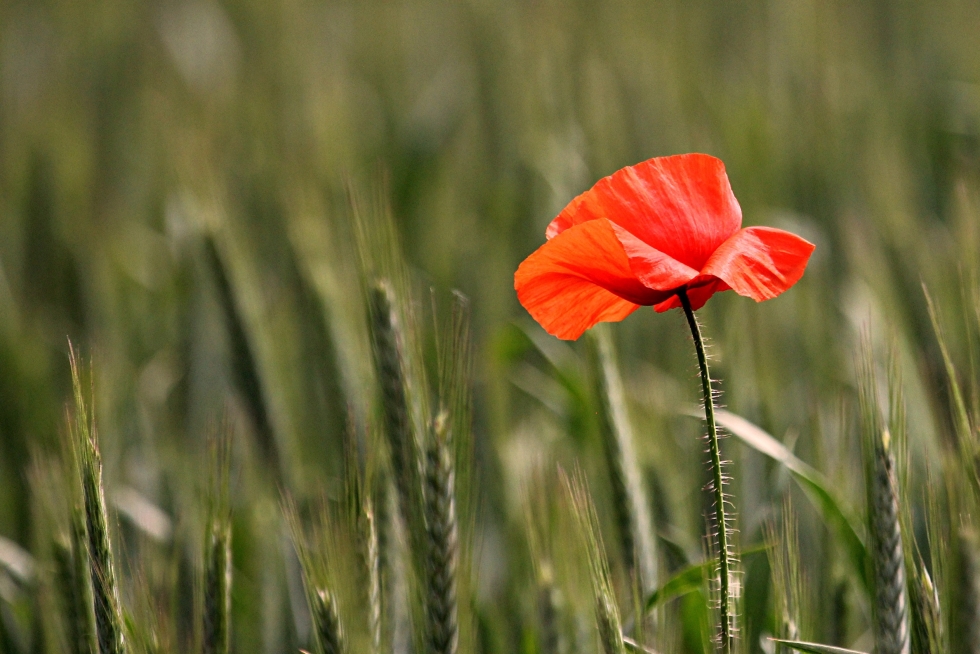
175, 182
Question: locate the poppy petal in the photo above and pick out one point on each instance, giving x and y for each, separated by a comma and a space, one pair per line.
760, 262
567, 292
681, 205
651, 266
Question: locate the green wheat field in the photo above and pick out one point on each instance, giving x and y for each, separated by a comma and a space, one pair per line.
265, 384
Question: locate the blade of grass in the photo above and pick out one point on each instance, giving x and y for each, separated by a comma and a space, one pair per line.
960, 414
814, 648
688, 580
815, 485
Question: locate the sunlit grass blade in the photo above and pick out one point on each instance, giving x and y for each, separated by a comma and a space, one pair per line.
814, 648
633, 646
816, 486
961, 416
629, 496
243, 362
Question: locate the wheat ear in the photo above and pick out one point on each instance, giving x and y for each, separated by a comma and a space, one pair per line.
108, 620
607, 616
926, 597
891, 601
392, 372
326, 622
443, 546
371, 553
629, 496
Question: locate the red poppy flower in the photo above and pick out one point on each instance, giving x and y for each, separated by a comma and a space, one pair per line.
644, 233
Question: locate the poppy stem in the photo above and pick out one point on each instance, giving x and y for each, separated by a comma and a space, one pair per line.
724, 553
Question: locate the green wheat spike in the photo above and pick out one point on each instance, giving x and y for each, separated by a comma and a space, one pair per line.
890, 610
629, 496
891, 602
327, 627
443, 543
927, 608
787, 577
396, 397
108, 619
607, 616
371, 553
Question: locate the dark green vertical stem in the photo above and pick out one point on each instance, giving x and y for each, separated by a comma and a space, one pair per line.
724, 554
217, 590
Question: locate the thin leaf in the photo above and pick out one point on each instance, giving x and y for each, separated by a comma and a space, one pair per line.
815, 648
634, 646
811, 481
688, 580
959, 404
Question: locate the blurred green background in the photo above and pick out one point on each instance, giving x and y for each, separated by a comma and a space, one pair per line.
174, 181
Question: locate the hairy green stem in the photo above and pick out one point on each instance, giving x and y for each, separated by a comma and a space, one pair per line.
724, 554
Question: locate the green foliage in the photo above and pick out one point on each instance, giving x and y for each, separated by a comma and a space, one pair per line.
260, 210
